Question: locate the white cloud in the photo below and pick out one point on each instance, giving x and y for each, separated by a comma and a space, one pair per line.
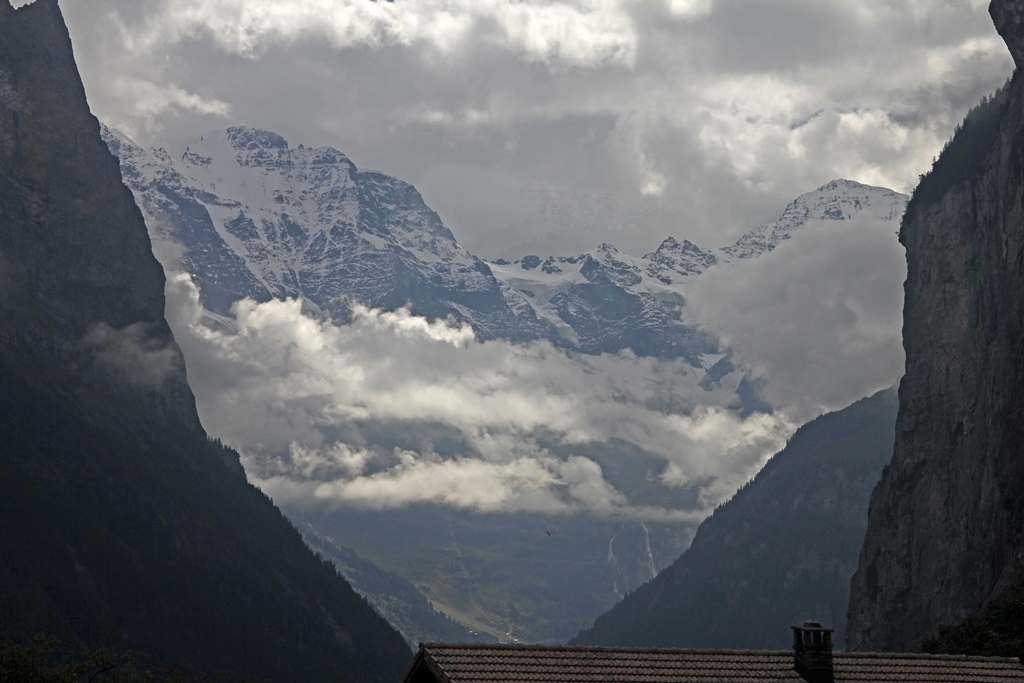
392, 410
819, 318
690, 8
150, 101
560, 34
134, 352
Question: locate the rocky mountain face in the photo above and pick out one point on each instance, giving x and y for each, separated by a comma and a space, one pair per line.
124, 524
946, 526
249, 215
394, 597
781, 551
74, 284
255, 217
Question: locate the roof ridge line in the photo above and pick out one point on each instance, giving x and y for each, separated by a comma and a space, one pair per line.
595, 648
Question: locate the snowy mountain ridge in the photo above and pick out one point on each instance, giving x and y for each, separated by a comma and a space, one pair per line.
835, 201
254, 217
658, 280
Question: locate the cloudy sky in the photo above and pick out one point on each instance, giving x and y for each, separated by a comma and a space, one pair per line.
549, 126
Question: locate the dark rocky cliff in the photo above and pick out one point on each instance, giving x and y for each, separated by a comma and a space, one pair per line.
74, 278
946, 523
123, 524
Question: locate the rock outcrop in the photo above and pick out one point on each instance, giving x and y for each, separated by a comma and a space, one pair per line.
946, 524
123, 524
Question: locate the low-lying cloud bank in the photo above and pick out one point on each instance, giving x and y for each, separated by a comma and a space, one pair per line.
393, 410
819, 319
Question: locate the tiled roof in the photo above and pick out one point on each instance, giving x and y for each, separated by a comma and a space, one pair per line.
475, 663
872, 666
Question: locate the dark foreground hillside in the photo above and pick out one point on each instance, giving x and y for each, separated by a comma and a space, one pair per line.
121, 523
780, 552
146, 540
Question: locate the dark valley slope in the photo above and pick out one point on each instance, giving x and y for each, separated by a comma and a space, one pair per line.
780, 552
946, 526
123, 524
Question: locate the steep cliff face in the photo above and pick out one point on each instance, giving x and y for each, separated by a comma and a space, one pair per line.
123, 523
80, 295
946, 523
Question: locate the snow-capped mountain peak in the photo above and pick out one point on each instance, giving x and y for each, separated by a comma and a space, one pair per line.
835, 201
673, 259
250, 139
641, 300
258, 218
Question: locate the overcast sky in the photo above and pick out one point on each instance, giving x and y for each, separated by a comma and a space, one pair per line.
548, 127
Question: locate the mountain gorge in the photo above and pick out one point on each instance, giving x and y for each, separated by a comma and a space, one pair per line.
125, 525
487, 449
587, 514
946, 524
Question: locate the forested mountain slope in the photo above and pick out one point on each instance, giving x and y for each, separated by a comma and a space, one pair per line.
781, 551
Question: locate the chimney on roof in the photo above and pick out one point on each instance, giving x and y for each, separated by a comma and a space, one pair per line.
812, 652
